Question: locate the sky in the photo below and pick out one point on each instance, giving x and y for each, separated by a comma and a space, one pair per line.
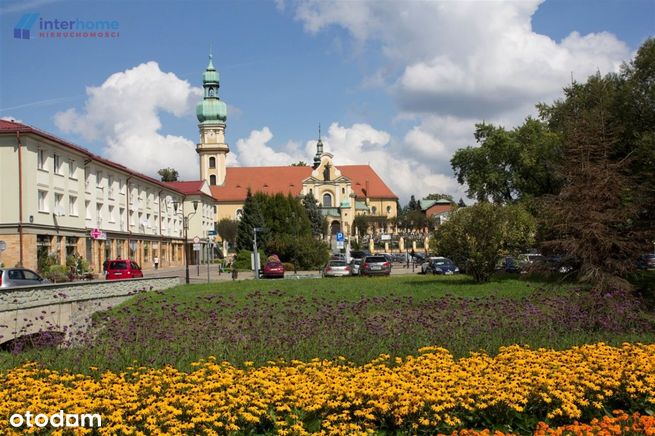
398, 85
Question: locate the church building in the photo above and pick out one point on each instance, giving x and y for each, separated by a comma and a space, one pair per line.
342, 191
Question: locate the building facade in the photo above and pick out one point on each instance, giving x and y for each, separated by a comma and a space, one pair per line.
60, 199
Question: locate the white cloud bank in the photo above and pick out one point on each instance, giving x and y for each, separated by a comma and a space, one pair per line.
455, 63
124, 113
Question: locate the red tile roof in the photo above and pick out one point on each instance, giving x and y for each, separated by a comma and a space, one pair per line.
192, 187
11, 127
288, 179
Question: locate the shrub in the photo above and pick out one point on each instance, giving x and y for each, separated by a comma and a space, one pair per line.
57, 273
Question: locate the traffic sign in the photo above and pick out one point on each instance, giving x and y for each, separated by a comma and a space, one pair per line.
211, 232
197, 247
340, 236
340, 244
196, 240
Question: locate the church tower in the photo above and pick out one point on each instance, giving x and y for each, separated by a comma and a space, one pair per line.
212, 113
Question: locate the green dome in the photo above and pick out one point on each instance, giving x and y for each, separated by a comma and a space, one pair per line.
211, 110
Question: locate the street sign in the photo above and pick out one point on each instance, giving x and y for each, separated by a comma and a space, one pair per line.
197, 247
211, 233
340, 244
385, 238
340, 237
3, 245
196, 240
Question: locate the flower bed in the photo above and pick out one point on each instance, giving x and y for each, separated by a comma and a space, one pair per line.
431, 392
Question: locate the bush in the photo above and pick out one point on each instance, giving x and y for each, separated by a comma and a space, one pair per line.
57, 274
287, 266
242, 260
475, 236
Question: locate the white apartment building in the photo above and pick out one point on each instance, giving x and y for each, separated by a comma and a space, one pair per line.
59, 198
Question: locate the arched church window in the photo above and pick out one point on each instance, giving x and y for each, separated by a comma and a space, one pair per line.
374, 210
212, 162
212, 180
327, 200
238, 214
343, 190
388, 209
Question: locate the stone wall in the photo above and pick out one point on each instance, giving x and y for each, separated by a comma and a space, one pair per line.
67, 307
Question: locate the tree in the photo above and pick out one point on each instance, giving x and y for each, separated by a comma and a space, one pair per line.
413, 204
411, 219
299, 164
251, 218
313, 213
595, 218
475, 236
361, 224
435, 196
509, 165
168, 174
461, 203
227, 230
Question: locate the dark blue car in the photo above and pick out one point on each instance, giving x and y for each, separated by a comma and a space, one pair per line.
443, 265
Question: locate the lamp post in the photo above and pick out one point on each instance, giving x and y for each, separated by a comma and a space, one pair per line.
255, 253
185, 226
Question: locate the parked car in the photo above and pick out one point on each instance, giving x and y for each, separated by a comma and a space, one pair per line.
426, 265
646, 261
273, 270
508, 264
375, 265
527, 259
336, 268
355, 266
443, 265
11, 277
359, 254
120, 269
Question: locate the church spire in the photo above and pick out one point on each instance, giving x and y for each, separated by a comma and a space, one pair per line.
319, 149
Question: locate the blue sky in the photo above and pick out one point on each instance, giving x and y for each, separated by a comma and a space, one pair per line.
398, 85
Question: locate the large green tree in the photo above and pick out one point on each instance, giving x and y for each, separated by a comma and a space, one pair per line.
475, 236
509, 165
313, 213
604, 214
227, 230
251, 218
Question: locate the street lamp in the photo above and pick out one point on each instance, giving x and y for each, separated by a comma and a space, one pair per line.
185, 226
255, 257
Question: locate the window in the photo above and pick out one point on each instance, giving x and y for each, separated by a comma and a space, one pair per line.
71, 245
121, 214
112, 218
57, 164
43, 201
99, 179
121, 186
388, 209
72, 169
87, 209
374, 210
327, 200
343, 190
212, 180
212, 162
110, 184
59, 208
87, 180
239, 214
99, 213
41, 159
72, 205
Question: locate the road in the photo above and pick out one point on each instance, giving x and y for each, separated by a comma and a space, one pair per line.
200, 274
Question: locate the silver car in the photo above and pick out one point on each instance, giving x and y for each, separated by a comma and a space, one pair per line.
336, 268
12, 277
355, 265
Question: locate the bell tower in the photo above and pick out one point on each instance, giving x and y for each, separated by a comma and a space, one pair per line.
212, 113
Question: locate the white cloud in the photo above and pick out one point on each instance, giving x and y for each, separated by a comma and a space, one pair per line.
12, 119
466, 58
123, 113
255, 151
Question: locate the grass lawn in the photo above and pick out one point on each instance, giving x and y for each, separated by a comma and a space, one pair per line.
358, 318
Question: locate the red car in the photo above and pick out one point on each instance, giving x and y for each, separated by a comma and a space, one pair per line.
120, 269
273, 270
